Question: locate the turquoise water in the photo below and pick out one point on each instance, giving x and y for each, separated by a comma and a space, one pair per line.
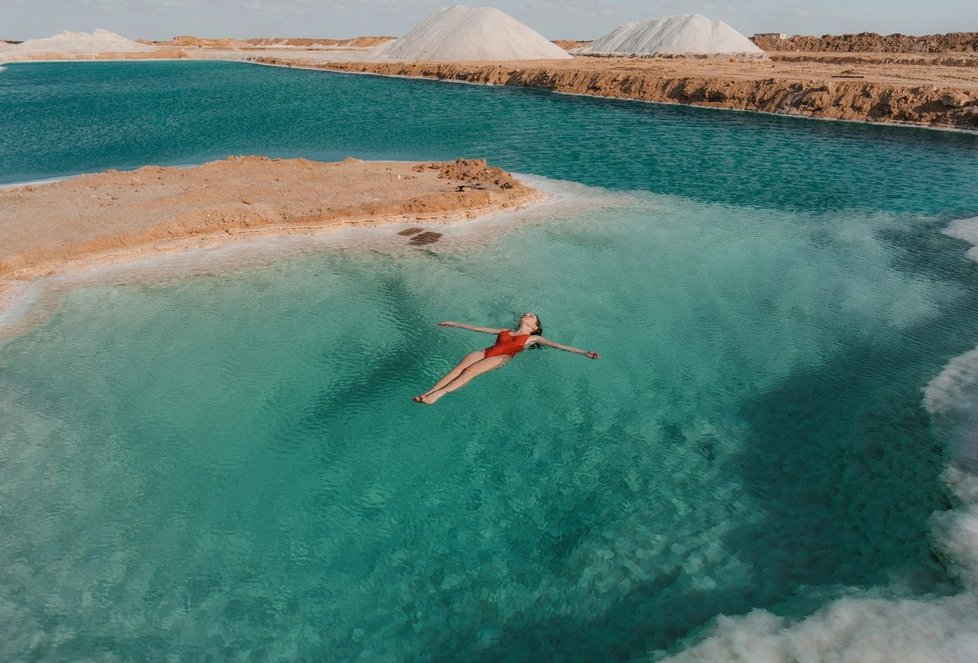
227, 465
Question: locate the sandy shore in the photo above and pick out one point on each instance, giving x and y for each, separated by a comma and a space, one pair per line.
939, 90
91, 219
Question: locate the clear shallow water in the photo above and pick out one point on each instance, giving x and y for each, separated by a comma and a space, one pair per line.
230, 465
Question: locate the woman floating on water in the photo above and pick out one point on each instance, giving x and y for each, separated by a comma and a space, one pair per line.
509, 343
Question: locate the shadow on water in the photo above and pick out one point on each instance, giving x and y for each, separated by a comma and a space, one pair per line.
324, 410
847, 483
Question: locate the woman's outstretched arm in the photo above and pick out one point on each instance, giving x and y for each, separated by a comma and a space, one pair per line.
460, 325
539, 340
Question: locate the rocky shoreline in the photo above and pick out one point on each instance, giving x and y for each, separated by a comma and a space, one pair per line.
836, 92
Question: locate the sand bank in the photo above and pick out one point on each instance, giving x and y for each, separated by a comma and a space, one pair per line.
54, 227
936, 90
60, 56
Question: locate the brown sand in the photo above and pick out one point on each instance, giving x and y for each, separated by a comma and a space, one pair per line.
871, 42
935, 90
571, 44
355, 42
48, 228
190, 41
59, 56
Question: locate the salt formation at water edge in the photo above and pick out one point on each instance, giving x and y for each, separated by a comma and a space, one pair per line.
691, 34
470, 33
100, 41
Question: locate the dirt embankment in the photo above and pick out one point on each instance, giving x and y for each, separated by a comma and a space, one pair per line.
121, 214
932, 60
946, 97
570, 44
355, 42
60, 56
190, 41
870, 42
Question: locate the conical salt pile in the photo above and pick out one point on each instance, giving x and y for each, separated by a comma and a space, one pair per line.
691, 34
100, 41
470, 33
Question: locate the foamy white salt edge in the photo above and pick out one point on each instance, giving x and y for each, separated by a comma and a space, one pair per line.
470, 33
690, 34
967, 230
22, 304
952, 396
864, 628
868, 629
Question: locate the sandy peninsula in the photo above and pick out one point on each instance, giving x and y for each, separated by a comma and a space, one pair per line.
53, 227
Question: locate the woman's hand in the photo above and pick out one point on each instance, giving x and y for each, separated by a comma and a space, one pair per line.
447, 324
592, 355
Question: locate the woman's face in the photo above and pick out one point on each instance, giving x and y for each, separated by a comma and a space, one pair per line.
531, 320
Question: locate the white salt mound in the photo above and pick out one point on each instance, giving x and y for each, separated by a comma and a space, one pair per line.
470, 33
100, 41
691, 34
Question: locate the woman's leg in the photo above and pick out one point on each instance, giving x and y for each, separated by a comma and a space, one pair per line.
477, 368
467, 361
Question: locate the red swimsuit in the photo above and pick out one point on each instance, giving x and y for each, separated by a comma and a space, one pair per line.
507, 343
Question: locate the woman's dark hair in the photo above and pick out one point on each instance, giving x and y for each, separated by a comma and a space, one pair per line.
537, 332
